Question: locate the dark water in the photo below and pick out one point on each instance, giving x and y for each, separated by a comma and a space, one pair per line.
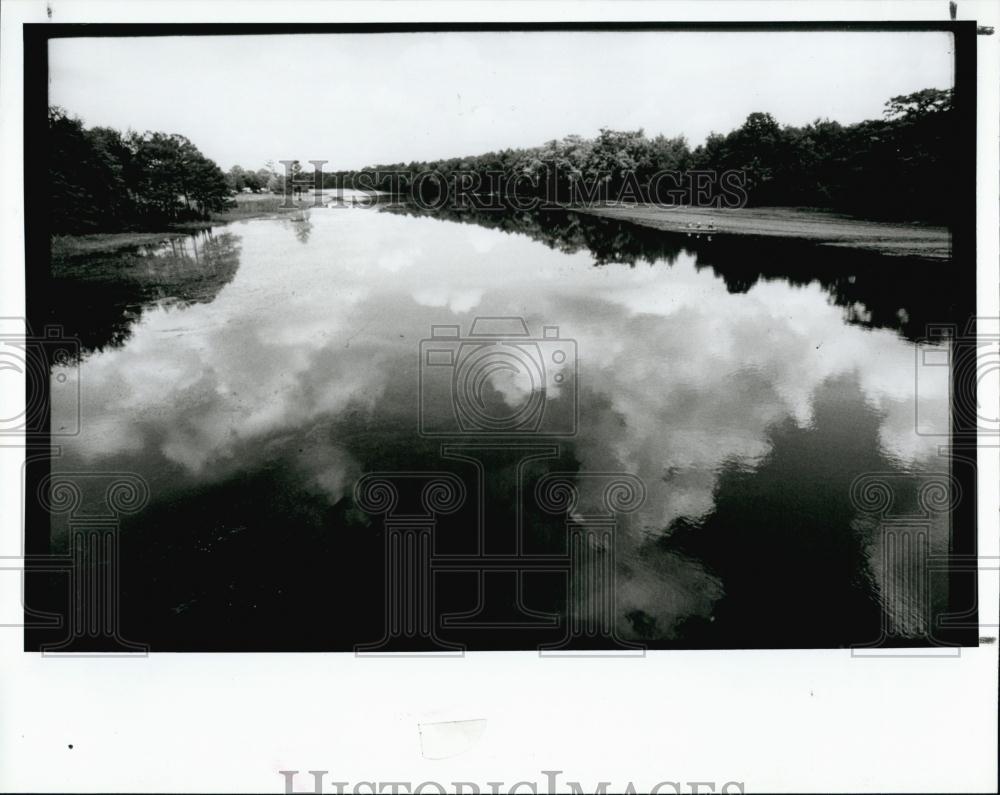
751, 400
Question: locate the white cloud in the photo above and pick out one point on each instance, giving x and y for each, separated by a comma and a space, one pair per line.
364, 99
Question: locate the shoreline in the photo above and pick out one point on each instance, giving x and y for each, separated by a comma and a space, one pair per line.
68, 246
821, 227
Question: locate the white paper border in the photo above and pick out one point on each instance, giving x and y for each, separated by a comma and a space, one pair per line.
816, 721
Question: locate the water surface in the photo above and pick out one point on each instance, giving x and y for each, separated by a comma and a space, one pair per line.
251, 375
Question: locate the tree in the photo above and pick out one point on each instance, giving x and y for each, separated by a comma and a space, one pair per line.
919, 104
205, 185
103, 180
236, 178
77, 177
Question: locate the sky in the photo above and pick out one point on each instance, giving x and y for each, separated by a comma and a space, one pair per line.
365, 99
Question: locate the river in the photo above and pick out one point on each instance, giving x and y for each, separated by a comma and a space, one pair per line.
743, 395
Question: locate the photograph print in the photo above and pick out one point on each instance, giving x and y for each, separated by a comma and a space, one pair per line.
576, 339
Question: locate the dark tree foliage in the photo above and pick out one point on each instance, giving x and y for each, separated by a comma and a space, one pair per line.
571, 169
101, 180
240, 179
900, 166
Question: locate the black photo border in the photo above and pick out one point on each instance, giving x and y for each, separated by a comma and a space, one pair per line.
963, 589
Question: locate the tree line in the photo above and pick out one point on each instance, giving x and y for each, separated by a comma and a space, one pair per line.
898, 166
103, 180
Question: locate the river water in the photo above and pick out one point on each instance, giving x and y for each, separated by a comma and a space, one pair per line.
637, 438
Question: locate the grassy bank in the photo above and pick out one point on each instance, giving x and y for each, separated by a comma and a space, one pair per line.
247, 206
819, 226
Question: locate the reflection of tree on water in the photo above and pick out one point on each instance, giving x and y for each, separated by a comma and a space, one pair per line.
611, 242
98, 299
238, 540
793, 566
782, 536
900, 293
302, 227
